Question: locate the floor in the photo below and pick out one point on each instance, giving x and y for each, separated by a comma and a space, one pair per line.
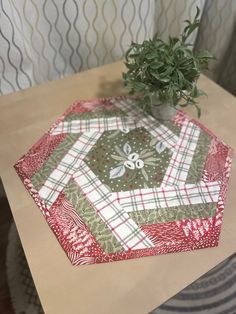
5, 222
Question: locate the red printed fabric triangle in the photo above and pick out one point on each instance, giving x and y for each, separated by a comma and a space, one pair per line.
114, 183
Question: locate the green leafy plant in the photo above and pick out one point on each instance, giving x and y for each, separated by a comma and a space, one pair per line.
167, 71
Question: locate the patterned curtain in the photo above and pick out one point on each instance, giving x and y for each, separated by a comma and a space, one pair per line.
42, 40
217, 34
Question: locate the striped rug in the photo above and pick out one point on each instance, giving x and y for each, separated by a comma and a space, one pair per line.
213, 293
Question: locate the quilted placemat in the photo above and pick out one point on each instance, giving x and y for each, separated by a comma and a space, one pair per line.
114, 183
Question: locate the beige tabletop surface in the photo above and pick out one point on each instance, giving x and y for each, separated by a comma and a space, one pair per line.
135, 286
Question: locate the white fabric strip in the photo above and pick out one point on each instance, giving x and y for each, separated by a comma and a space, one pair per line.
67, 166
154, 198
118, 221
177, 171
141, 118
98, 125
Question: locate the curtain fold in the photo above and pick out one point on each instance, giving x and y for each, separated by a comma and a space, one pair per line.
217, 34
49, 39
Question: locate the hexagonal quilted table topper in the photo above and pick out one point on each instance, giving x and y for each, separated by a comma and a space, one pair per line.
113, 183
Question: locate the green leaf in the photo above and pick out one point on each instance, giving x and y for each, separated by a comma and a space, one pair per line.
128, 51
201, 93
195, 91
151, 56
164, 79
156, 65
198, 110
173, 41
205, 55
155, 75
181, 79
139, 86
197, 14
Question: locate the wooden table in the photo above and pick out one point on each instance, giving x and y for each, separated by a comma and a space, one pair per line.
134, 286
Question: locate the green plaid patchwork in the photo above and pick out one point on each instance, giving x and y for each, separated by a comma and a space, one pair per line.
68, 165
98, 125
177, 171
170, 196
110, 211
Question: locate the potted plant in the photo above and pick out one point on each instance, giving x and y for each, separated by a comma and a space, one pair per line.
165, 74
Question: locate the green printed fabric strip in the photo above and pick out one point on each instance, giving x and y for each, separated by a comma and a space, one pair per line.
42, 175
95, 114
199, 158
162, 215
94, 223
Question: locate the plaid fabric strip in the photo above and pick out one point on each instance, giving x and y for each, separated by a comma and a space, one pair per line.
130, 107
160, 131
177, 171
67, 166
141, 118
154, 198
98, 125
107, 207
